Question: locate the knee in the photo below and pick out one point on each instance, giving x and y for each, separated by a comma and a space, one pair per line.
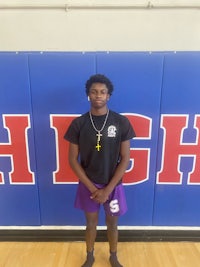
91, 224
111, 223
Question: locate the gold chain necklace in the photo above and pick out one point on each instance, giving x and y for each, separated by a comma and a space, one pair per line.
98, 146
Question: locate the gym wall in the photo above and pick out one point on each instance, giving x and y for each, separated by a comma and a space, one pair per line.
40, 93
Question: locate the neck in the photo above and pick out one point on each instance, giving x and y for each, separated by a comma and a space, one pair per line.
99, 112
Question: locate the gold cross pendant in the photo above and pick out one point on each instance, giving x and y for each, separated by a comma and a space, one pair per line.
98, 146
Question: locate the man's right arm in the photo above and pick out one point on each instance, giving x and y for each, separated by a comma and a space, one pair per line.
77, 168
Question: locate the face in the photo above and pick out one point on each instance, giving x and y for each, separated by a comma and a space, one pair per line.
98, 95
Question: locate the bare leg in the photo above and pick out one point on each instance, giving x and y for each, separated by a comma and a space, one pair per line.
112, 233
90, 236
91, 229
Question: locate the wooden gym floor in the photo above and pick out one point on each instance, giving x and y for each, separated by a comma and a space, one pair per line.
72, 254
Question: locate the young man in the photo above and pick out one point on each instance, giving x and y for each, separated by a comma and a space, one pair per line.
99, 153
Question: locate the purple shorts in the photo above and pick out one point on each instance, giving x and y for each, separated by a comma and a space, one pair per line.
115, 205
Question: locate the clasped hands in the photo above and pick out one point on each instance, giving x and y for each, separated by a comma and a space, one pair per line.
100, 195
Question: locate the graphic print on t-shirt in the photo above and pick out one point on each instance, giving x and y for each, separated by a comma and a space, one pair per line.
112, 131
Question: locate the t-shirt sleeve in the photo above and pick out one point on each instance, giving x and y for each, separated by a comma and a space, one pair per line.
72, 133
127, 130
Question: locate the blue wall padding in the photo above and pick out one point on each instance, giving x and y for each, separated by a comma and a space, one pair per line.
153, 87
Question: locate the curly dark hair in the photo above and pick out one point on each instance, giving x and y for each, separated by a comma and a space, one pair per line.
99, 78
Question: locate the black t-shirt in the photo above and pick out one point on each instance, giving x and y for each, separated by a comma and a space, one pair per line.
100, 165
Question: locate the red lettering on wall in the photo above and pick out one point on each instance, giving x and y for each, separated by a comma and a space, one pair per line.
17, 149
140, 157
63, 173
174, 149
137, 173
141, 124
